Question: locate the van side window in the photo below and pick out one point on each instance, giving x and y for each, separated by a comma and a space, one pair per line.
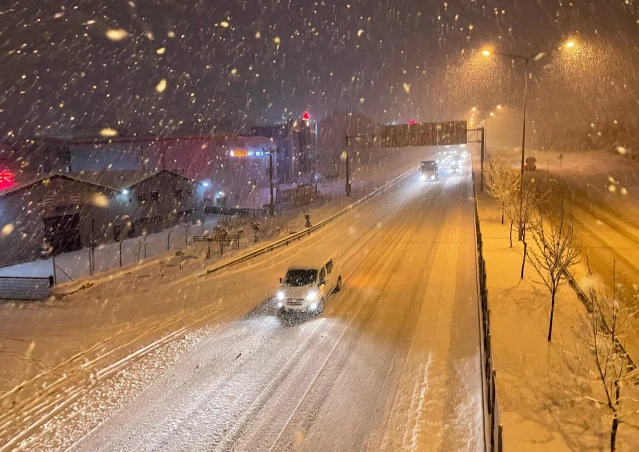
322, 275
329, 266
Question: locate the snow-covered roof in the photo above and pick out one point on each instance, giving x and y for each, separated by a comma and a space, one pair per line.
110, 180
310, 261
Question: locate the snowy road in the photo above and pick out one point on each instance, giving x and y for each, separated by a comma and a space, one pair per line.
392, 364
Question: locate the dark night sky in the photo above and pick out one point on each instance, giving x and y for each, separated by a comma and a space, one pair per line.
389, 59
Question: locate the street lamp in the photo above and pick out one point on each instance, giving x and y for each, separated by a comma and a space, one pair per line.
526, 60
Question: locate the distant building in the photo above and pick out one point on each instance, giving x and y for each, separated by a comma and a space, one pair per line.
75, 210
296, 141
233, 170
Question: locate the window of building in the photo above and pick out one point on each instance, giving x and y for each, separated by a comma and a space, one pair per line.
143, 198
155, 196
178, 194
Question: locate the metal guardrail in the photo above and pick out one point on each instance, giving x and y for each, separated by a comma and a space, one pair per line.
492, 426
298, 235
25, 288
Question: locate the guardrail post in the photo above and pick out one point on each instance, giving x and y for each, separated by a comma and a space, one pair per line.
121, 241
168, 240
55, 278
51, 280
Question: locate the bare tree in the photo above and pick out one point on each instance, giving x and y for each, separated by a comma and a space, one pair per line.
503, 183
533, 197
607, 323
554, 254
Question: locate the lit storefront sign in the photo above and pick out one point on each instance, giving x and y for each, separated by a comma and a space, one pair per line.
245, 153
65, 200
7, 179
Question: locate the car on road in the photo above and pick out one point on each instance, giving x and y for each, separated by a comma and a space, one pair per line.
309, 281
531, 164
429, 171
454, 169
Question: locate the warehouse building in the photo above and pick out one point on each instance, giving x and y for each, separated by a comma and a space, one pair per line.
73, 210
233, 170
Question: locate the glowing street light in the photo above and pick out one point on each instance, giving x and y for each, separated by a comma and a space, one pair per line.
526, 59
498, 107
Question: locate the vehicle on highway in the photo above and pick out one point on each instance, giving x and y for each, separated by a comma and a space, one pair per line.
309, 281
429, 171
454, 169
531, 164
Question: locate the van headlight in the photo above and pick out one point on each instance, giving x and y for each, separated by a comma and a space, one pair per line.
311, 296
279, 295
422, 177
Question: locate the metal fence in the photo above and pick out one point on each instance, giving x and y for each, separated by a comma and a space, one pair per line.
89, 261
493, 426
21, 288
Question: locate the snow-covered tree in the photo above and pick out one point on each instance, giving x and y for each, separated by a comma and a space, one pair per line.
524, 209
503, 184
611, 368
554, 253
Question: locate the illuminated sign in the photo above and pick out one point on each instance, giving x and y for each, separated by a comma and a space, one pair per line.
72, 199
245, 153
6, 179
306, 116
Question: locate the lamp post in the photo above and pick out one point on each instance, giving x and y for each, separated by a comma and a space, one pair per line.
526, 60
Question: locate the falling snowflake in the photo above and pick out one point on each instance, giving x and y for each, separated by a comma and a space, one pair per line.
116, 34
160, 87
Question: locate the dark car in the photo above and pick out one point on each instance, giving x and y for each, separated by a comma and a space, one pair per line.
531, 164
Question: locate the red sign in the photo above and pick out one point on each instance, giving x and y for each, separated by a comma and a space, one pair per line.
306, 116
412, 122
6, 179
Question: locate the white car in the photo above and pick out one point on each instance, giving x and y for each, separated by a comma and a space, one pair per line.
309, 281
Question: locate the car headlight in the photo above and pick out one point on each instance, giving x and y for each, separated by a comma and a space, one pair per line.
279, 295
432, 177
280, 305
314, 306
422, 177
311, 296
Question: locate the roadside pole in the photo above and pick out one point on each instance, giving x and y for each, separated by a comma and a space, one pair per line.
348, 176
271, 206
483, 156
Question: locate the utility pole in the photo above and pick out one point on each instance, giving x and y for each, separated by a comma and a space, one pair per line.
348, 176
523, 151
271, 206
483, 155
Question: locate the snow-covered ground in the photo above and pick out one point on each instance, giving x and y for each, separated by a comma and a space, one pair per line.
366, 176
174, 363
540, 407
74, 265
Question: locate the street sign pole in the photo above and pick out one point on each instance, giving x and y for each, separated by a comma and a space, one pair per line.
348, 176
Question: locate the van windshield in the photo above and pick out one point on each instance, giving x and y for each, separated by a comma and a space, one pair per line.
429, 166
300, 277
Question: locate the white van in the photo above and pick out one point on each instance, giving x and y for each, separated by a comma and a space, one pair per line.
308, 282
